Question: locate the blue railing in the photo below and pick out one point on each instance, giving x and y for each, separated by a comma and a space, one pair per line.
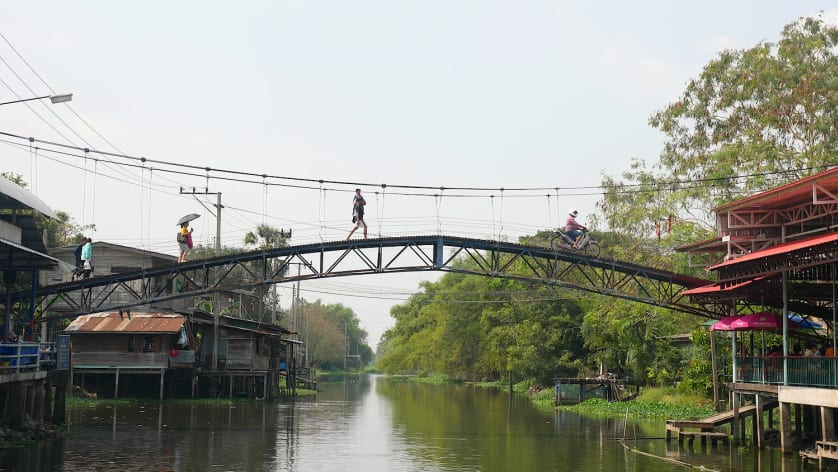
802, 371
22, 357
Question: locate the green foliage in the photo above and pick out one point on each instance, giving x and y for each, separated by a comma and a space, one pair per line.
331, 332
642, 409
267, 237
697, 377
478, 328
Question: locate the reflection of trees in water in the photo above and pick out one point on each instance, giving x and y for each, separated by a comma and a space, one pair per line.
496, 431
171, 435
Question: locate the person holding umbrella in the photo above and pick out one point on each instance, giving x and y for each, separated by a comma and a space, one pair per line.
184, 236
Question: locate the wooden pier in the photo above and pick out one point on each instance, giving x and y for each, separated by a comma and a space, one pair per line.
708, 427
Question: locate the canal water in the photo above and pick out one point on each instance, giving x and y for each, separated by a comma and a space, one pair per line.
370, 423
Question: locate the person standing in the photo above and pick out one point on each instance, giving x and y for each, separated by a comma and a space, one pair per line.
86, 257
184, 241
358, 204
77, 270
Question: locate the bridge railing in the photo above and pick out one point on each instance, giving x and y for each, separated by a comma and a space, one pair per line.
802, 371
27, 356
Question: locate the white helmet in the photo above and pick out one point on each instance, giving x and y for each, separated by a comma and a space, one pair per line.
573, 213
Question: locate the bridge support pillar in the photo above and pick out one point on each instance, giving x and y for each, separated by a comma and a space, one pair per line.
827, 424
785, 427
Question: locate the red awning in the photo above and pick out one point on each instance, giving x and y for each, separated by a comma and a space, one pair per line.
784, 248
719, 288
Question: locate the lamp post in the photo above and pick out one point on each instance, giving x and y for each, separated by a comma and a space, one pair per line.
60, 98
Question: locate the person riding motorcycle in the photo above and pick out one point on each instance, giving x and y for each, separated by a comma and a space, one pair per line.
572, 228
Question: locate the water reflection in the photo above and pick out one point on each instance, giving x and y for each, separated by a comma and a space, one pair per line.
366, 423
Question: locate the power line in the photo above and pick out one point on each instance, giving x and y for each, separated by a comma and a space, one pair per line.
599, 190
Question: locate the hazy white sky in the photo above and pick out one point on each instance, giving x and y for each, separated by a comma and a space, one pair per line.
490, 94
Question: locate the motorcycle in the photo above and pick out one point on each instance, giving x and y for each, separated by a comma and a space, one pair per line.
586, 243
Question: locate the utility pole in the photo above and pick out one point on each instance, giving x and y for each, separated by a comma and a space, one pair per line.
216, 299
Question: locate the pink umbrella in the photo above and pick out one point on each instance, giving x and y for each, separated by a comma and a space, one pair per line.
723, 324
764, 321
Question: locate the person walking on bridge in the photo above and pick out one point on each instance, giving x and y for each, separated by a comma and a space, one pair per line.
358, 204
86, 257
184, 241
77, 270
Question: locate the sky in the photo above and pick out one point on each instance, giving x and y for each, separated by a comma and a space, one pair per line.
423, 97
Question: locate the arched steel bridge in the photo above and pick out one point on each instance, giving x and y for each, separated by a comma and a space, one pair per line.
369, 256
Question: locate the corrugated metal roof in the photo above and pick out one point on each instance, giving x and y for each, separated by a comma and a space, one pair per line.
718, 287
784, 196
159, 323
779, 249
13, 196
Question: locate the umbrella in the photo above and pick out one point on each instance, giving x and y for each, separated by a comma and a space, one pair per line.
187, 218
723, 324
764, 321
805, 323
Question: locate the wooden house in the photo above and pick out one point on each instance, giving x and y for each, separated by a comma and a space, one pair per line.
249, 357
117, 352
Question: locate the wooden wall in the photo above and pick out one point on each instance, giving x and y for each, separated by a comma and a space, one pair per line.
113, 350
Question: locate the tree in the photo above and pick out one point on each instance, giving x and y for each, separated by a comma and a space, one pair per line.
754, 118
267, 237
331, 332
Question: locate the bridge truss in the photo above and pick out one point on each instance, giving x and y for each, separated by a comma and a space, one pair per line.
262, 268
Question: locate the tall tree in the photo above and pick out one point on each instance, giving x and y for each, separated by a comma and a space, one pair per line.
267, 237
752, 119
332, 332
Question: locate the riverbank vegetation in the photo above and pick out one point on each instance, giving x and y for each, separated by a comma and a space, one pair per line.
753, 119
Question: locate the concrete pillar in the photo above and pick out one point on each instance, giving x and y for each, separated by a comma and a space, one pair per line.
38, 401
116, 384
15, 415
162, 381
827, 424
785, 427
59, 414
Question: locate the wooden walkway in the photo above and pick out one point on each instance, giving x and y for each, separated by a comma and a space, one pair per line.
707, 427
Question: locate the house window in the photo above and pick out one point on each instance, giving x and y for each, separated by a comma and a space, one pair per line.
148, 344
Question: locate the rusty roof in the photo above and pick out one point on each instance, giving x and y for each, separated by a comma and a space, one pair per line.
149, 323
788, 195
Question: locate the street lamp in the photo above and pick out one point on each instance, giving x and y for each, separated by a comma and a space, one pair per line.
60, 98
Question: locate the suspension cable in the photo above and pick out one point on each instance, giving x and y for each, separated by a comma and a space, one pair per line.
438, 205
379, 209
500, 215
549, 213
321, 212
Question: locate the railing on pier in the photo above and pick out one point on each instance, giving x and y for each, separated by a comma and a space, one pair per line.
26, 357
802, 371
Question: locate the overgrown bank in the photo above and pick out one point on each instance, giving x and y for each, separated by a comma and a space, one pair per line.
653, 402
